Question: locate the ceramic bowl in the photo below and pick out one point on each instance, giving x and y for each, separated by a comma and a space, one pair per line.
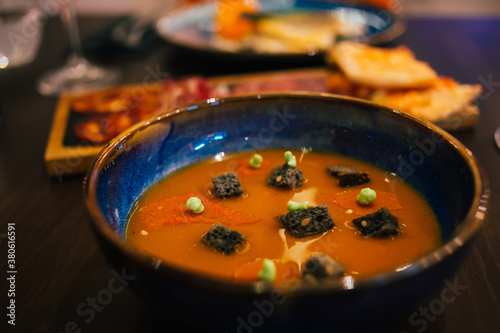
430, 159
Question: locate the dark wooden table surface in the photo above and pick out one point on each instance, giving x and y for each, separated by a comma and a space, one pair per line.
59, 266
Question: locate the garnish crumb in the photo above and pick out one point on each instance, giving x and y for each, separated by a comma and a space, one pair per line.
194, 204
290, 159
256, 161
366, 196
293, 206
268, 271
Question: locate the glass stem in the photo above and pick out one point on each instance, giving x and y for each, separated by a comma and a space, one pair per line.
68, 17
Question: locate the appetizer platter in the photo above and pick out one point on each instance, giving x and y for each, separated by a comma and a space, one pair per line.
82, 124
391, 77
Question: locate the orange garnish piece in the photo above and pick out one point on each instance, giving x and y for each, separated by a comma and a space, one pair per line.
229, 18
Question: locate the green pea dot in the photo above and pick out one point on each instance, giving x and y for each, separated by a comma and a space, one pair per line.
366, 196
194, 204
256, 161
290, 159
292, 205
268, 271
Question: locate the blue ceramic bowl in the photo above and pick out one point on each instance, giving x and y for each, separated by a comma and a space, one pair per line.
430, 159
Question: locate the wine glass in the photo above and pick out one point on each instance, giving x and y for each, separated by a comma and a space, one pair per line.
78, 73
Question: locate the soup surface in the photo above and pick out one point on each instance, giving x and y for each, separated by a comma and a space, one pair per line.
161, 225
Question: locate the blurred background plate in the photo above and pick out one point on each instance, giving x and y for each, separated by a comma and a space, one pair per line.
193, 26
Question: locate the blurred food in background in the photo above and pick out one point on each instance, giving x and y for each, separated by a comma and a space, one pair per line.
274, 28
242, 24
388, 76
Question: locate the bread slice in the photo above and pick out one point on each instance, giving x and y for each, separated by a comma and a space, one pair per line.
376, 67
394, 78
435, 103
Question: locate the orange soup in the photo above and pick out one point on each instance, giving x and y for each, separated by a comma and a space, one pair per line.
162, 226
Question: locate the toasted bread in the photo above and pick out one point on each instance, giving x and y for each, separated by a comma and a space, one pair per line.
435, 103
394, 78
379, 68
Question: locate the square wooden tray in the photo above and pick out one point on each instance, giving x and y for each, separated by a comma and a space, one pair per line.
63, 160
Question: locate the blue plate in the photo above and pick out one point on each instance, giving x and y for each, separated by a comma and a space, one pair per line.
192, 26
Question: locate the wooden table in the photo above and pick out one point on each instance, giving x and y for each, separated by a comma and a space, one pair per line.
60, 269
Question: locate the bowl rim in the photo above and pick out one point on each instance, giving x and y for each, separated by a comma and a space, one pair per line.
459, 238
